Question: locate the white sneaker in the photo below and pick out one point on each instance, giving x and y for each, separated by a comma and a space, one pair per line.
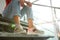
34, 31
19, 30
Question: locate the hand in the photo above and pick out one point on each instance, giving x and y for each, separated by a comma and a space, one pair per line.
22, 3
28, 3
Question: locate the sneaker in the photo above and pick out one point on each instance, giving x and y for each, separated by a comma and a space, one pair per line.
19, 30
34, 31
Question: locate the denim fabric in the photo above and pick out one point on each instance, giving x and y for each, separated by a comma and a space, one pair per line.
13, 9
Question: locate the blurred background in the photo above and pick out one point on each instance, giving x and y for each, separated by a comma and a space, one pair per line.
46, 14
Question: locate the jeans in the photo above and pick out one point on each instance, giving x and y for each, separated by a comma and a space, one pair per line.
13, 9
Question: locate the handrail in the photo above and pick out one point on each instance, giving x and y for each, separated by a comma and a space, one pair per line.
46, 6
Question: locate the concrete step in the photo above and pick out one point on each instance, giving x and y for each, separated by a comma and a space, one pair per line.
18, 36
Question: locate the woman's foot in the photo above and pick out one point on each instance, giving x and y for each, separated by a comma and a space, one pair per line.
34, 31
19, 30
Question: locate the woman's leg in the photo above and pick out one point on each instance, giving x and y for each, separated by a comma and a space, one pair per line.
12, 11
30, 17
31, 27
28, 11
18, 27
17, 19
17, 23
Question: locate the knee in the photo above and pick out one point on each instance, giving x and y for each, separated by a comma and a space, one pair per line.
29, 7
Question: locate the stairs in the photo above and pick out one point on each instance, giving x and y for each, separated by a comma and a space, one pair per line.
18, 36
7, 33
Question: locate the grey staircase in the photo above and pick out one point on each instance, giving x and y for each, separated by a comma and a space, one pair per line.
6, 32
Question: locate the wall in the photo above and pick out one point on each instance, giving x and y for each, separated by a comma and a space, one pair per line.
2, 4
